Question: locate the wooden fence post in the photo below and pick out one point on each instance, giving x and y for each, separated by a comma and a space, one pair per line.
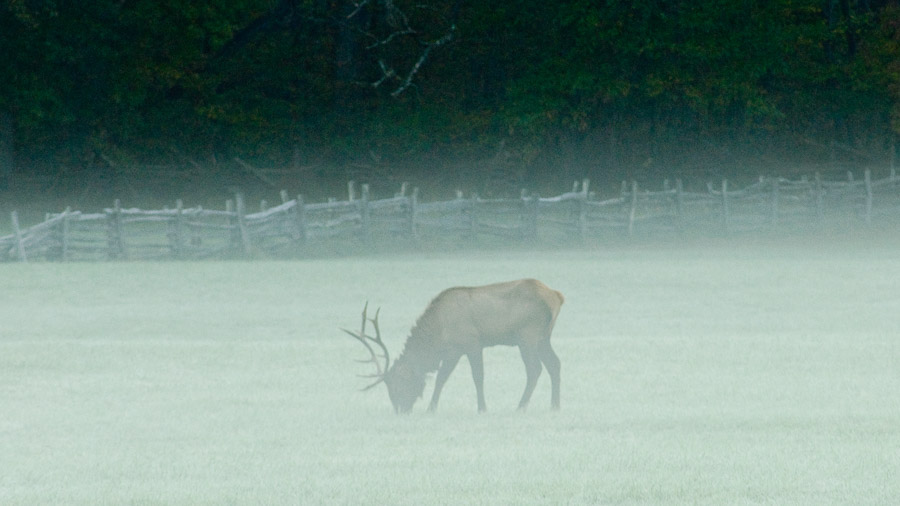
679, 206
365, 214
287, 217
64, 235
241, 213
632, 211
120, 231
820, 198
473, 217
773, 204
300, 221
726, 212
413, 203
529, 216
463, 216
582, 210
115, 232
235, 235
177, 235
20, 243
893, 156
868, 179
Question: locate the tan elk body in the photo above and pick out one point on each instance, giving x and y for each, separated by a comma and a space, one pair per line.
462, 321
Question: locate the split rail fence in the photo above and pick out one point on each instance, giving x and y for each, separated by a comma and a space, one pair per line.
297, 228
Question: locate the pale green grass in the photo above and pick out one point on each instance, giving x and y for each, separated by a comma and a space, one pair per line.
720, 375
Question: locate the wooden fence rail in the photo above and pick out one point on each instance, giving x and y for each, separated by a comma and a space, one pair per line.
295, 227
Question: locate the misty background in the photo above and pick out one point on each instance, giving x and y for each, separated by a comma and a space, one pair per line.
153, 101
709, 367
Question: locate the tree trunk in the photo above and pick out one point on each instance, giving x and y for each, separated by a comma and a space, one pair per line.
346, 53
7, 150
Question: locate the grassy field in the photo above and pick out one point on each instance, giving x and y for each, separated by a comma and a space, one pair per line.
691, 375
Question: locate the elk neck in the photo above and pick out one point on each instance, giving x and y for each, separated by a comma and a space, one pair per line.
419, 355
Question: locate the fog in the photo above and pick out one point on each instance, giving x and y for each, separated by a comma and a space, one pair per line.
194, 202
695, 373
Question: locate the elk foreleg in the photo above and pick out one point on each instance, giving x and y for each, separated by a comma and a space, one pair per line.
447, 366
476, 361
532, 372
551, 362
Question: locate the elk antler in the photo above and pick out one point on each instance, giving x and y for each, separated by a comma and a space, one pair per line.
365, 339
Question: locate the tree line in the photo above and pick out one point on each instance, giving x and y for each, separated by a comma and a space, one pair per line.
625, 88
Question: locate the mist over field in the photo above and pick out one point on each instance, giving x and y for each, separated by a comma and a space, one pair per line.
197, 197
708, 373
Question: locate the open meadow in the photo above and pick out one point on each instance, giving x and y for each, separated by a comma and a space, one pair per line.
698, 374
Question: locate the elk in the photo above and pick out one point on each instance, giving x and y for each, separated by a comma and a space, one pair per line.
463, 321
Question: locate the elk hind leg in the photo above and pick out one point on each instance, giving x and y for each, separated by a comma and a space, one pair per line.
447, 366
532, 372
476, 361
551, 362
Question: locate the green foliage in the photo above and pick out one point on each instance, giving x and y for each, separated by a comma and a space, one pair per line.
253, 77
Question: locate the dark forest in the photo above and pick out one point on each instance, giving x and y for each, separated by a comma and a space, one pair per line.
106, 95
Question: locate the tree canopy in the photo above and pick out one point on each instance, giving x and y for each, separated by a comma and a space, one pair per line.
624, 87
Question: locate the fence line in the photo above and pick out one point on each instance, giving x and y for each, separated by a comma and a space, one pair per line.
295, 227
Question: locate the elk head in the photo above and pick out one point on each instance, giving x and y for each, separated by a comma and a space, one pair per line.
402, 396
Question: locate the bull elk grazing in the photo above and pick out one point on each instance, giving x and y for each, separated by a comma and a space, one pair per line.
462, 321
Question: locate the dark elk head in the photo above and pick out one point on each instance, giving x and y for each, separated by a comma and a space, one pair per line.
400, 389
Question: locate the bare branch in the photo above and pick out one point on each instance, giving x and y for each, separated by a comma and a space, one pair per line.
407, 82
387, 73
358, 7
387, 40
